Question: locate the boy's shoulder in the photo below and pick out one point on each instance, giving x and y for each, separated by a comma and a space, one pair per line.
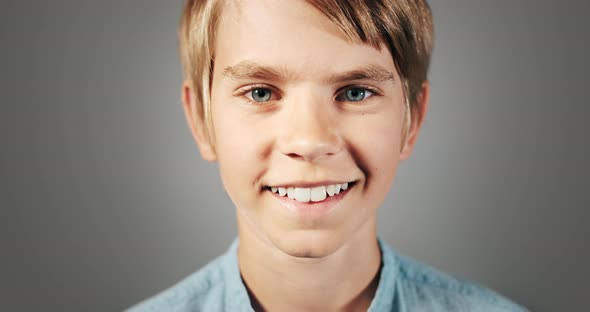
207, 289
193, 293
424, 288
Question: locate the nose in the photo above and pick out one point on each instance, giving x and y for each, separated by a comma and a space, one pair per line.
309, 131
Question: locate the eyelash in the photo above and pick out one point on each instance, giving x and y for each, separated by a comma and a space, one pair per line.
244, 91
372, 90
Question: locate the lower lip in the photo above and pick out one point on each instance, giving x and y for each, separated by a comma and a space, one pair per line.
312, 209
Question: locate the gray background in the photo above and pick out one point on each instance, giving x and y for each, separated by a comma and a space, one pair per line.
105, 200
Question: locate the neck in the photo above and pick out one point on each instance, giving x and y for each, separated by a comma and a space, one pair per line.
345, 280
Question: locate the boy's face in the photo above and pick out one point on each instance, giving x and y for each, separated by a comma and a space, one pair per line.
293, 104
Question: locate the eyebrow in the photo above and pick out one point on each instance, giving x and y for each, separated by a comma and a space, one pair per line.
253, 70
370, 72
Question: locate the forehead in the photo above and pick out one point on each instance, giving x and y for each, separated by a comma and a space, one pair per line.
291, 34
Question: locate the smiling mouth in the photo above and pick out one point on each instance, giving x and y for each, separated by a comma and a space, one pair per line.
311, 194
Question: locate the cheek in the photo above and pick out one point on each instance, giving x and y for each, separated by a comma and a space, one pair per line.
239, 147
377, 145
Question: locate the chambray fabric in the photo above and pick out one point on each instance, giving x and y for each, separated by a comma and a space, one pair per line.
405, 285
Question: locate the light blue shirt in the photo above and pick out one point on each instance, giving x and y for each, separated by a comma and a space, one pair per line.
405, 285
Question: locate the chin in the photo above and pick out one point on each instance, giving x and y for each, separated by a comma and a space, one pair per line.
308, 244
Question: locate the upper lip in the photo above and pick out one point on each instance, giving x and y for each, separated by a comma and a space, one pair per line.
306, 184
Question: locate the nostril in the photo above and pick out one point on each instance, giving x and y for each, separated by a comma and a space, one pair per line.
309, 150
294, 155
310, 156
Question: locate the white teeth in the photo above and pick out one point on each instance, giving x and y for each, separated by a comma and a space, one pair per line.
282, 191
331, 189
291, 192
302, 194
318, 193
314, 194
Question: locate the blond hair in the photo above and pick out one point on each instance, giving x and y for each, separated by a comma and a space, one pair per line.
403, 26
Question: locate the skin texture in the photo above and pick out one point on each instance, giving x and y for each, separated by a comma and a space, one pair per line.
306, 133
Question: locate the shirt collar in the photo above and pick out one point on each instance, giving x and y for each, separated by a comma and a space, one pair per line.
386, 290
236, 296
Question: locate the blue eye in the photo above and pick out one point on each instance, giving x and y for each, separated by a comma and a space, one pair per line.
355, 95
261, 94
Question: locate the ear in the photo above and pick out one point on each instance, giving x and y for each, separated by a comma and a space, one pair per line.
417, 117
196, 123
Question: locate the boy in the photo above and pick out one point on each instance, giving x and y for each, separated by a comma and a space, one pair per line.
308, 107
